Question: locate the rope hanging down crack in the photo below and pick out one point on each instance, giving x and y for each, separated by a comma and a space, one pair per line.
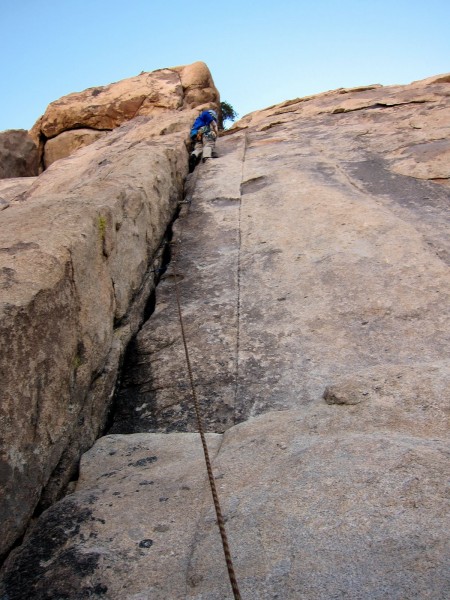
212, 483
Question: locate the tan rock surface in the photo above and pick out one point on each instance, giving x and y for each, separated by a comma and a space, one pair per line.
419, 145
13, 189
76, 255
315, 292
104, 108
198, 86
316, 506
317, 260
67, 142
166, 476
327, 513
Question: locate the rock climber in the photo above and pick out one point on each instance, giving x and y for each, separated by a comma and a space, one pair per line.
203, 136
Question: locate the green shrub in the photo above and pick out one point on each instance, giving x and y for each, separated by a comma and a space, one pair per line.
227, 113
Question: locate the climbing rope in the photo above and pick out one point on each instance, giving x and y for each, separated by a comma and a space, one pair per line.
212, 483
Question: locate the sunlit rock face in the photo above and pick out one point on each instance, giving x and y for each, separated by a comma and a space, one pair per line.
79, 119
316, 258
313, 269
79, 246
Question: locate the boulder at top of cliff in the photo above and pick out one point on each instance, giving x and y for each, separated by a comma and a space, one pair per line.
68, 142
78, 119
107, 107
18, 154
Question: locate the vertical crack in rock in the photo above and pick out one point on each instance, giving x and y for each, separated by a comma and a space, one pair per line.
293, 280
121, 407
237, 415
154, 395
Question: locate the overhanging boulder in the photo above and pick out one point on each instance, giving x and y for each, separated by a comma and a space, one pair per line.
101, 109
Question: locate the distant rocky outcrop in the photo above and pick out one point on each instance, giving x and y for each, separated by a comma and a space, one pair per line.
18, 154
313, 269
80, 118
78, 252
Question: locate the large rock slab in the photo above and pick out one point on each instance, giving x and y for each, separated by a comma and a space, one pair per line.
154, 394
76, 256
317, 259
407, 125
328, 513
96, 110
18, 154
166, 476
14, 188
313, 275
335, 501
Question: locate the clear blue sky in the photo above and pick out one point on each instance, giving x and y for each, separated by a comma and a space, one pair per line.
260, 52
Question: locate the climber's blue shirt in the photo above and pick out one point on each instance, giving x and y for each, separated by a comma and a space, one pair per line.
202, 120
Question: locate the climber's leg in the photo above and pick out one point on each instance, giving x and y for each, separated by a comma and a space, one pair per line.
209, 144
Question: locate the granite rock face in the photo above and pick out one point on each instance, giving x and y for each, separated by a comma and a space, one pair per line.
14, 189
165, 476
319, 503
18, 154
80, 118
313, 269
78, 253
317, 260
67, 142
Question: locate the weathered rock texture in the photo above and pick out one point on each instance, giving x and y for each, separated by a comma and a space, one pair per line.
18, 154
77, 258
67, 142
13, 190
313, 270
80, 118
317, 259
